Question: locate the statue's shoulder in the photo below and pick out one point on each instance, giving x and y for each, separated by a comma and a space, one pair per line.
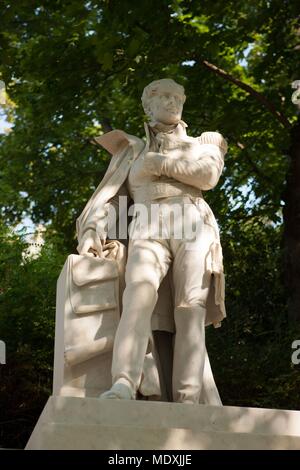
214, 138
117, 140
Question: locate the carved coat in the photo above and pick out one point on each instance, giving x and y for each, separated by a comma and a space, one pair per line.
210, 148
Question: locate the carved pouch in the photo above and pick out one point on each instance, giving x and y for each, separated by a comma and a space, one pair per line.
93, 284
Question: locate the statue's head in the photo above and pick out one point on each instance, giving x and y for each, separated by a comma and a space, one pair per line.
163, 101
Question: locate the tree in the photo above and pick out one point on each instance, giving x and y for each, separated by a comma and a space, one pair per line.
73, 67
76, 69
27, 316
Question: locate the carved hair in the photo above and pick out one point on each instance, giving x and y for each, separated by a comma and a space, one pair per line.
153, 89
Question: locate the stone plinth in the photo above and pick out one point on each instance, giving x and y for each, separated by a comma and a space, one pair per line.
89, 423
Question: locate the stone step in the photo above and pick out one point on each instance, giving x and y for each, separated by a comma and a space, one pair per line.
54, 436
161, 414
90, 423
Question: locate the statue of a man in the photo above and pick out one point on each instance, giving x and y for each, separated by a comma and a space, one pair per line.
169, 172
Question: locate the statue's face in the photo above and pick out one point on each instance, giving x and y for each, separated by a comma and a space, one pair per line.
166, 106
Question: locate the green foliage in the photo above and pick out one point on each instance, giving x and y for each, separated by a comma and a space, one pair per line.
251, 353
74, 69
71, 69
27, 316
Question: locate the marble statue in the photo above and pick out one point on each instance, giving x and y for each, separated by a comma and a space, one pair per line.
174, 283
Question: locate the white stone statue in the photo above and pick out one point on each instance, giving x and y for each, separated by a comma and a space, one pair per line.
174, 282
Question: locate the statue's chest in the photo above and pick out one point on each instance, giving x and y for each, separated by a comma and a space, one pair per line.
187, 147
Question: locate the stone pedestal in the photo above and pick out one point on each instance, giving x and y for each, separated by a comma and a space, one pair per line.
87, 316
89, 423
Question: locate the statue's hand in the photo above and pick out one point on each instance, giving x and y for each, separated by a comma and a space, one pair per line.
91, 244
153, 163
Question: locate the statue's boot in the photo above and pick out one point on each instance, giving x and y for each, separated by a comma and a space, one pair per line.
119, 391
189, 353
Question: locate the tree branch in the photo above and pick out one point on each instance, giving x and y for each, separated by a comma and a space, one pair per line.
258, 96
253, 165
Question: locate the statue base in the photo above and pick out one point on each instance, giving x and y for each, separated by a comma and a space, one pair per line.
69, 423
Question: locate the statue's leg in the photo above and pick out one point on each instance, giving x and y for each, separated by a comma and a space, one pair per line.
189, 353
191, 284
148, 262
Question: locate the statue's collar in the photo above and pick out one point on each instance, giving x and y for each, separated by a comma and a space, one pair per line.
155, 128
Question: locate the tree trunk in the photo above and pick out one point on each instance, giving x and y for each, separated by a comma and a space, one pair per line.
291, 235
